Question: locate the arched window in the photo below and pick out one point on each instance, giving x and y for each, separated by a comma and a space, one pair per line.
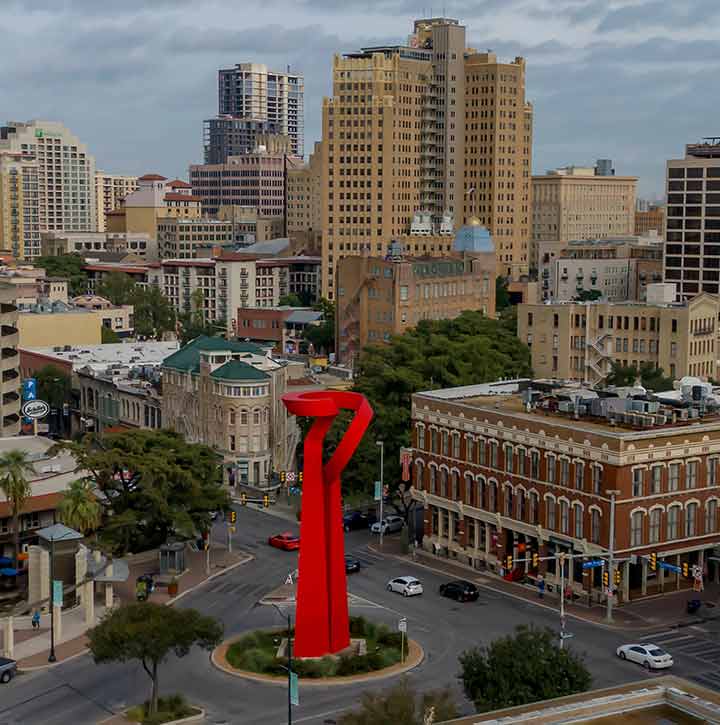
654, 528
420, 436
456, 445
469, 449
690, 519
521, 501
433, 473
481, 492
550, 513
469, 499
455, 481
672, 522
419, 475
444, 450
534, 508
636, 528
443, 482
595, 526
564, 517
256, 416
508, 501
266, 414
492, 496
243, 416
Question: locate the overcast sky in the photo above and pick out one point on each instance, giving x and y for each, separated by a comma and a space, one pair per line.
631, 80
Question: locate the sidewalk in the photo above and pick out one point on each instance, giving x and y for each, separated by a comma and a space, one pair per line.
662, 611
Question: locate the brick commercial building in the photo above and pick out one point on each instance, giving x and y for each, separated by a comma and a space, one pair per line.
580, 341
504, 472
649, 218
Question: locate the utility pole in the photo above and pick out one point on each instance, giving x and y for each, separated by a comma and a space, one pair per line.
561, 560
381, 445
611, 554
51, 657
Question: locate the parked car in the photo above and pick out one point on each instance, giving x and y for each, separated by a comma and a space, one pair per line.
649, 656
408, 586
389, 525
358, 520
8, 669
460, 590
286, 541
351, 565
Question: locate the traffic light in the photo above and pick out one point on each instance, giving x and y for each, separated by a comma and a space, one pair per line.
233, 517
617, 577
243, 498
535, 560
266, 500
606, 578
686, 569
300, 477
509, 562
653, 561
282, 476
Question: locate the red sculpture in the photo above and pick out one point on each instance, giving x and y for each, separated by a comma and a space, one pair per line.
321, 619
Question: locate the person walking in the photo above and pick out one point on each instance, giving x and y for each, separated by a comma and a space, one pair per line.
36, 619
541, 587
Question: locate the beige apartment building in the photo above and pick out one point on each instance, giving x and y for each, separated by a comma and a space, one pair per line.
579, 203
379, 297
66, 173
250, 226
304, 198
430, 128
10, 380
181, 238
110, 193
692, 252
54, 244
19, 205
576, 341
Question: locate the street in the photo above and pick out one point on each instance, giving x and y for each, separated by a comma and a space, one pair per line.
80, 692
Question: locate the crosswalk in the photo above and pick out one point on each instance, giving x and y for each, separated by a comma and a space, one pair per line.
696, 644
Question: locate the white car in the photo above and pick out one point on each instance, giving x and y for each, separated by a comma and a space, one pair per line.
390, 524
408, 586
649, 656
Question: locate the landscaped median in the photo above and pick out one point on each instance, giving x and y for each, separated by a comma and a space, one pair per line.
374, 654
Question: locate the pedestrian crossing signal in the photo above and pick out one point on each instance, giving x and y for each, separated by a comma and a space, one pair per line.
243, 499
685, 569
653, 561
266, 500
606, 578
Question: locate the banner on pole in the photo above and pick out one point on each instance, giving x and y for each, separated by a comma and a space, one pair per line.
57, 594
294, 689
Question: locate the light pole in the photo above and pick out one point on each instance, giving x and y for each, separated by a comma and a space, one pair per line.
561, 561
289, 659
611, 553
381, 445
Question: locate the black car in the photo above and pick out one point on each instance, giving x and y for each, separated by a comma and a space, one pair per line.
358, 520
460, 590
352, 566
8, 669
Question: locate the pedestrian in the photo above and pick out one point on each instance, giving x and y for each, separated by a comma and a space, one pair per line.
36, 619
541, 586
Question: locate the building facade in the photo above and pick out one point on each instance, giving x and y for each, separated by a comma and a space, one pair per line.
10, 381
580, 341
251, 91
19, 205
650, 218
692, 252
250, 226
54, 244
378, 298
504, 473
110, 193
227, 136
304, 195
181, 238
228, 395
66, 173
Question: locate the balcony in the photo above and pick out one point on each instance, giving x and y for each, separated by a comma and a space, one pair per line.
10, 383
9, 335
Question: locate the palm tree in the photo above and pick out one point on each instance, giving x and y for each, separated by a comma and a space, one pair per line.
14, 469
79, 507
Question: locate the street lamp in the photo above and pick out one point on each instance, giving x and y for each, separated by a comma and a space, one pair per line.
611, 551
289, 659
381, 445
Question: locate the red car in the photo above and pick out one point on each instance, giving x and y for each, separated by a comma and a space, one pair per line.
286, 541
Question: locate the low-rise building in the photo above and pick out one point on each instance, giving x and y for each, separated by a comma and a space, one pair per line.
513, 469
284, 327
250, 226
180, 238
649, 218
380, 297
580, 341
228, 395
31, 285
55, 244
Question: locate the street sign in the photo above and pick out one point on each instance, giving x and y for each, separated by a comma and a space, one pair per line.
29, 389
35, 409
669, 567
57, 592
294, 689
378, 491
402, 625
592, 563
566, 635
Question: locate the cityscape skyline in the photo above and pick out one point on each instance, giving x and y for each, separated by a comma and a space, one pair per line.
150, 64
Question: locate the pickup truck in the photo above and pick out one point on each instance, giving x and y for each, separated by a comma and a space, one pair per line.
8, 669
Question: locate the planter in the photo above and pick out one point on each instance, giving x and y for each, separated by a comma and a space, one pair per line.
173, 588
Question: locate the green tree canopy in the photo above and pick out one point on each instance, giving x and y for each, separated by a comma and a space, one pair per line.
400, 705
322, 336
589, 295
79, 507
54, 386
108, 335
151, 485
153, 314
291, 300
502, 296
150, 632
15, 468
650, 377
69, 266
117, 287
520, 669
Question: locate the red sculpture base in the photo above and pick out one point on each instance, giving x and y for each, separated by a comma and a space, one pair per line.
321, 619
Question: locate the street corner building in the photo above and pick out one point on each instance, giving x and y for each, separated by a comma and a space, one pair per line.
542, 467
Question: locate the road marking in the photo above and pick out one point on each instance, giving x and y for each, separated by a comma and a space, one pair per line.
654, 639
376, 604
316, 717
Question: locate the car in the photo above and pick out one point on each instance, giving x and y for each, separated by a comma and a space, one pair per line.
286, 541
460, 590
389, 525
357, 520
8, 669
351, 565
649, 656
408, 586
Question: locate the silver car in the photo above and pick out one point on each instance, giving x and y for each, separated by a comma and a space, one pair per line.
8, 669
408, 586
389, 524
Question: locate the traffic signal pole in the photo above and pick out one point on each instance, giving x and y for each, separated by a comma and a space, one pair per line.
611, 557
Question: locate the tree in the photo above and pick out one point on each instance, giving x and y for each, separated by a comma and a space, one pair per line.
588, 295
151, 485
149, 633
53, 386
502, 296
153, 313
69, 266
108, 335
649, 376
15, 466
519, 669
79, 507
291, 300
117, 287
322, 336
401, 706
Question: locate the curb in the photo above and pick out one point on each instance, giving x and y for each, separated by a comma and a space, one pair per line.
248, 558
200, 717
416, 656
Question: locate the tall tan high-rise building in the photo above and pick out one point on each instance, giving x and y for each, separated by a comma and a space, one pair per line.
110, 193
303, 203
66, 173
420, 138
19, 206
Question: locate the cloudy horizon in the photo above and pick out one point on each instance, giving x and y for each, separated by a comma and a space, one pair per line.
630, 80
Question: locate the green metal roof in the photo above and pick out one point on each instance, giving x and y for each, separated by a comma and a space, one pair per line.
187, 358
238, 370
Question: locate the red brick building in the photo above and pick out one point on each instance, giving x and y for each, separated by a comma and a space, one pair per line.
502, 472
